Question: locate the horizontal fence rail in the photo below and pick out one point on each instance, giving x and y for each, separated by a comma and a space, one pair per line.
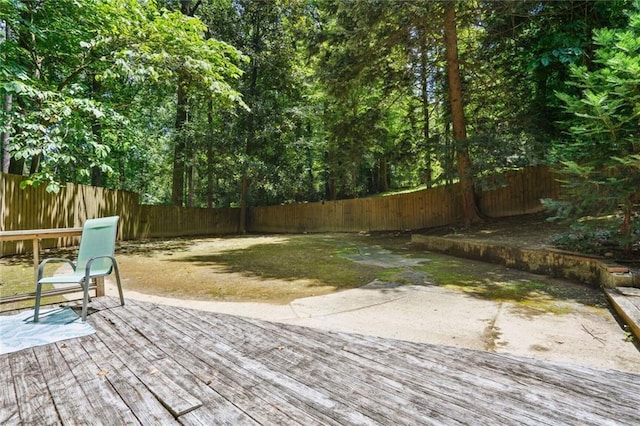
508, 194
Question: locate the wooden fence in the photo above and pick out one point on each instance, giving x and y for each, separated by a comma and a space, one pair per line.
35, 208
422, 209
512, 193
172, 221
517, 192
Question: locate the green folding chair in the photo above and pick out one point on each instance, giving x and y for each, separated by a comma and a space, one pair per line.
95, 259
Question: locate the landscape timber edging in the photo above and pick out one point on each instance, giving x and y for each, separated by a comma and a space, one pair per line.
586, 270
620, 299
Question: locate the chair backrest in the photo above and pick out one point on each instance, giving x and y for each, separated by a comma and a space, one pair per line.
98, 239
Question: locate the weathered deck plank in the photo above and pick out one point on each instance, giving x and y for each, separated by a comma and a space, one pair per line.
150, 364
135, 396
261, 399
237, 388
91, 377
145, 367
501, 398
73, 405
317, 401
365, 389
534, 398
383, 381
34, 402
167, 379
8, 400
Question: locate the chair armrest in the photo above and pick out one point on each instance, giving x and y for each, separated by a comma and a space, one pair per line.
53, 259
90, 262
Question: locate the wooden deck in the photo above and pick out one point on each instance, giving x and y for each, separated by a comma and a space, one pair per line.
156, 365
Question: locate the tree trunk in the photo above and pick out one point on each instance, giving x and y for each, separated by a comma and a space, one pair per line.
191, 194
424, 80
242, 225
625, 227
456, 102
6, 157
28, 42
16, 167
250, 128
179, 151
177, 189
35, 164
383, 175
210, 154
97, 177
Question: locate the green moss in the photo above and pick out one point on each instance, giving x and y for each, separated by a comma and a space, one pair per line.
490, 282
316, 258
389, 274
285, 267
539, 307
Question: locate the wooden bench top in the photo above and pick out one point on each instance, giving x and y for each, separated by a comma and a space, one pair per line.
29, 234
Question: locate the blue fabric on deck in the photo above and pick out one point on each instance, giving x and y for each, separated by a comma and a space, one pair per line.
20, 332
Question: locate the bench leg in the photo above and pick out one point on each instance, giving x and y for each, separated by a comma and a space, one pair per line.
100, 286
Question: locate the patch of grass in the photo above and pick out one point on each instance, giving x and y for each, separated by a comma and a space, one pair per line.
530, 307
512, 291
450, 271
17, 277
492, 282
281, 268
314, 258
276, 269
389, 274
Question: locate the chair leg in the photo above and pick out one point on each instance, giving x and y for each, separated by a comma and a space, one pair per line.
85, 297
117, 272
36, 309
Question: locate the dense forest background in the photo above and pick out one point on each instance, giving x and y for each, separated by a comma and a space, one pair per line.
257, 102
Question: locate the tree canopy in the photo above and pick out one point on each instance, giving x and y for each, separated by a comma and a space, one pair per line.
240, 102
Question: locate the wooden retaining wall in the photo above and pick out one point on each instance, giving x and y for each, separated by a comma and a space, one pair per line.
514, 193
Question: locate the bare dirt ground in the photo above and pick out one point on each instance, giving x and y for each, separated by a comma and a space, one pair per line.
377, 284
282, 268
530, 231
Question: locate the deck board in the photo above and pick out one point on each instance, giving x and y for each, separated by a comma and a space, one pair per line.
369, 389
94, 379
145, 364
260, 400
152, 364
449, 386
8, 401
35, 403
390, 384
135, 397
257, 383
72, 403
